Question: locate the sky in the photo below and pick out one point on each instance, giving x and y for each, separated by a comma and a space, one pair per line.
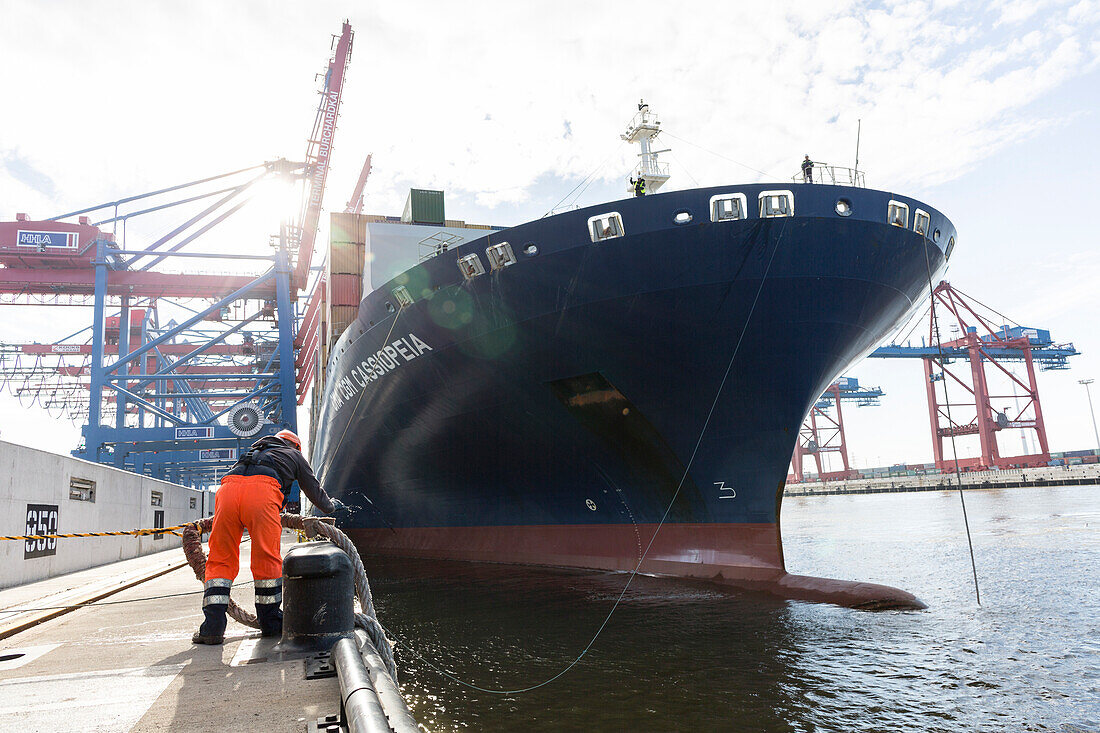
987, 111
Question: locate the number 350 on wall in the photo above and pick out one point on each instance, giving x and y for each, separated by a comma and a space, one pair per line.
41, 519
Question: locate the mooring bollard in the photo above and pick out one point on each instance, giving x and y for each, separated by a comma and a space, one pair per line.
318, 597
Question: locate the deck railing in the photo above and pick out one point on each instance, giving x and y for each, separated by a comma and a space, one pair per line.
833, 175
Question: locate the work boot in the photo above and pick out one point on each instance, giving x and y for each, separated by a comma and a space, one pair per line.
269, 596
215, 602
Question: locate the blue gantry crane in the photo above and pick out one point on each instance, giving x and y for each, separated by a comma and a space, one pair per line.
175, 400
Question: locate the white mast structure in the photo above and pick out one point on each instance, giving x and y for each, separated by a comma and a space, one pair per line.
643, 129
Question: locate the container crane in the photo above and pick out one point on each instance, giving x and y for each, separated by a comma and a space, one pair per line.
821, 433
175, 401
355, 203
318, 156
977, 408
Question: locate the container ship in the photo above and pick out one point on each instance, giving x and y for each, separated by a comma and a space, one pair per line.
615, 387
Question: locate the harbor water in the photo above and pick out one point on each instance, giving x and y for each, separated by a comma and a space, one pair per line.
682, 655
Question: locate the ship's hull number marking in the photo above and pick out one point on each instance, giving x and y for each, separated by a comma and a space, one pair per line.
725, 492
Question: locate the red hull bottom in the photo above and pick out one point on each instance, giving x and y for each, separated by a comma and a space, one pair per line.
746, 556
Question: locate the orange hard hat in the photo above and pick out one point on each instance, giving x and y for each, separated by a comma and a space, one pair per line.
289, 437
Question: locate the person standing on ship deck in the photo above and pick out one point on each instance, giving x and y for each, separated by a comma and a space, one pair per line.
250, 496
807, 170
639, 186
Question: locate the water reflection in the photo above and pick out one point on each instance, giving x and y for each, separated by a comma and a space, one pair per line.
681, 655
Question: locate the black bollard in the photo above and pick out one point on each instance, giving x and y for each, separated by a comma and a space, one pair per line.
318, 598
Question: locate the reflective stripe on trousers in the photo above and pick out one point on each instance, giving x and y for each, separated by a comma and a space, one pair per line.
216, 592
269, 591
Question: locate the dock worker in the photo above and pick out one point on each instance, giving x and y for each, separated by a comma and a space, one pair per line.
250, 496
639, 186
807, 170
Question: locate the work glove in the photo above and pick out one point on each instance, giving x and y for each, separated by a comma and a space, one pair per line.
338, 506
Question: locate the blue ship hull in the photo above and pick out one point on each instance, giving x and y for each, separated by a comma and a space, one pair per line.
558, 410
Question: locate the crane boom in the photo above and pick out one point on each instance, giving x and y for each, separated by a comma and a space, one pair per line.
355, 203
318, 155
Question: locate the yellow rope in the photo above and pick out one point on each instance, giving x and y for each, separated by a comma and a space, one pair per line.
135, 532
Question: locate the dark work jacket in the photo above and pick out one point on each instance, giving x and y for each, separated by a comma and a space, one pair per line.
270, 456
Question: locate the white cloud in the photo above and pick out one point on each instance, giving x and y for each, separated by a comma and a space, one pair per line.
473, 98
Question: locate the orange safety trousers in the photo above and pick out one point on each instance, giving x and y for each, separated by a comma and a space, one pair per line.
251, 502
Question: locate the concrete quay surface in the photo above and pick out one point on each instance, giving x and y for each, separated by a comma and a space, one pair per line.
126, 663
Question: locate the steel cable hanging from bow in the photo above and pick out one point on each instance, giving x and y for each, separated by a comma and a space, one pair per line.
935, 328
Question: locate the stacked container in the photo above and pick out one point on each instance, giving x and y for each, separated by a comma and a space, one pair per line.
346, 255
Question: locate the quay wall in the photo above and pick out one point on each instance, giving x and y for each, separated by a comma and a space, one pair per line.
1004, 479
46, 493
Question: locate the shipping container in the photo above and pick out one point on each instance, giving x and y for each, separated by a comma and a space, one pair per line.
456, 223
424, 207
340, 317
346, 258
345, 289
1090, 459
1074, 461
347, 228
1077, 453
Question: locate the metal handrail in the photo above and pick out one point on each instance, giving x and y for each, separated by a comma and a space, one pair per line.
654, 170
833, 175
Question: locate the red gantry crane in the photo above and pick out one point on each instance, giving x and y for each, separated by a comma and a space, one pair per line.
962, 402
822, 434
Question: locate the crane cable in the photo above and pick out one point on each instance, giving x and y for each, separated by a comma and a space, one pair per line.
947, 404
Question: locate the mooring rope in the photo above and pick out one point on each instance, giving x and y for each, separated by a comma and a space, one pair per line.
312, 527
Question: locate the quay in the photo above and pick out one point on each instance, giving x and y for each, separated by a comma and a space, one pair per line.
125, 661
1080, 475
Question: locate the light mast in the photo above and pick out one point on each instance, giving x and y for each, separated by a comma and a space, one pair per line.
643, 129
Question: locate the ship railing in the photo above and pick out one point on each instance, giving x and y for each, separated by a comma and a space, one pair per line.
653, 170
833, 175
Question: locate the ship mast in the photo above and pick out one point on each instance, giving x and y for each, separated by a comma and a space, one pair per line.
643, 129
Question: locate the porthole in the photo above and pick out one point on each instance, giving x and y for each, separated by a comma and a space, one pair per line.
531, 249
950, 248
682, 217
844, 207
390, 308
936, 236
